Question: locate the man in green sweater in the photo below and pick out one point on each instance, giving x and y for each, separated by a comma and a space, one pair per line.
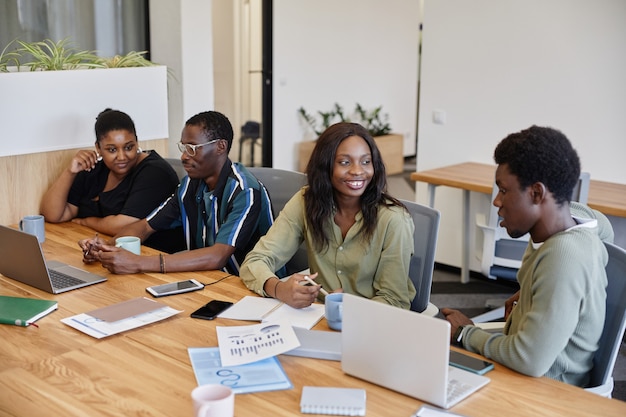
555, 320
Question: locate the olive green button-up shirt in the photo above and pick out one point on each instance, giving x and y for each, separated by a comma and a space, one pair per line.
378, 269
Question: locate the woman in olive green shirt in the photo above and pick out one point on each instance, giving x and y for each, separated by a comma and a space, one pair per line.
359, 239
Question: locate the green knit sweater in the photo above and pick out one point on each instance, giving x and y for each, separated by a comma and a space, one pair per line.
555, 328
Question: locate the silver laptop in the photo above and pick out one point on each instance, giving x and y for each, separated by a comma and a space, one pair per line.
404, 351
21, 259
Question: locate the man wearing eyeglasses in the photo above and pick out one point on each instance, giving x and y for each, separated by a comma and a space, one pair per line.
222, 208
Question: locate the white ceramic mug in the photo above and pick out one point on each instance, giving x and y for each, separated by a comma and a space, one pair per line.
34, 225
130, 243
213, 400
334, 310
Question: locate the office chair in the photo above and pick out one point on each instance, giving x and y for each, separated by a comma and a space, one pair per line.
502, 255
177, 164
250, 131
601, 381
426, 221
281, 185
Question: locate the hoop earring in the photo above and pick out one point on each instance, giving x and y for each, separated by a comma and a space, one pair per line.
139, 150
98, 157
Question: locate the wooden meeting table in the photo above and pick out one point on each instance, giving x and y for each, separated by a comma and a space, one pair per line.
58, 371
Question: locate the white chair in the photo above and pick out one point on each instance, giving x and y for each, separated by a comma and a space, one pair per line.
426, 221
601, 381
281, 185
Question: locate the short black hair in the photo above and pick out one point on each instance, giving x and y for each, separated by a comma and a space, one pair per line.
541, 154
110, 119
214, 125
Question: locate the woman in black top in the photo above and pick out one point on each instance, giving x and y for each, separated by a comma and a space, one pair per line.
113, 185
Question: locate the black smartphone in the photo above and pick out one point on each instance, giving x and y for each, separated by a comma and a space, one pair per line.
469, 363
211, 310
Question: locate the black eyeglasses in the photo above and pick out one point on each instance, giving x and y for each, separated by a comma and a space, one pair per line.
191, 149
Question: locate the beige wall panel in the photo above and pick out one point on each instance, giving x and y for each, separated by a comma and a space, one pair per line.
25, 178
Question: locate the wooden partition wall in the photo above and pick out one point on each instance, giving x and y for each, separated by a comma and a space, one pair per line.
25, 178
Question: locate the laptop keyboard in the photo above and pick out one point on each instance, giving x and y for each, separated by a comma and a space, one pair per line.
457, 390
61, 280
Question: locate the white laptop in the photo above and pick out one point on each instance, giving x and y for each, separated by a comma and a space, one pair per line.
21, 259
317, 344
404, 351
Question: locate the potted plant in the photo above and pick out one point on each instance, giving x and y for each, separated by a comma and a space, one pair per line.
52, 94
48, 55
377, 123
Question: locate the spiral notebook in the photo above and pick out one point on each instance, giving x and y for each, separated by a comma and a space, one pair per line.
333, 401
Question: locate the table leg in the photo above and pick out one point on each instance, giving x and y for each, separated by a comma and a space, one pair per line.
466, 238
431, 195
465, 229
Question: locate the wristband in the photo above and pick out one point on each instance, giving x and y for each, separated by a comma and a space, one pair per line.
276, 287
162, 262
458, 336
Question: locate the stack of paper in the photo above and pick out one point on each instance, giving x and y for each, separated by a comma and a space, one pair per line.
120, 317
252, 308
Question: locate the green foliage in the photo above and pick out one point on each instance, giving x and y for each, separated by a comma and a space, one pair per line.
374, 121
8, 58
131, 59
48, 55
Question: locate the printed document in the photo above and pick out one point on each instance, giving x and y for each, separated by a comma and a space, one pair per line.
244, 344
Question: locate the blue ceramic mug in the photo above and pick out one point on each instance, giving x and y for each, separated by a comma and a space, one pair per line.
334, 310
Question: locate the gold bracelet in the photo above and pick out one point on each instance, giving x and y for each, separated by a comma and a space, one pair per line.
162, 262
276, 287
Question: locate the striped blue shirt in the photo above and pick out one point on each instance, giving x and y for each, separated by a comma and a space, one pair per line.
236, 213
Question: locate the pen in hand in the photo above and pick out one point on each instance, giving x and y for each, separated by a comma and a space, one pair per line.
90, 246
322, 290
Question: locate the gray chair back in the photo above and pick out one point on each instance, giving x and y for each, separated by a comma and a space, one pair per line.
281, 185
615, 321
426, 222
177, 164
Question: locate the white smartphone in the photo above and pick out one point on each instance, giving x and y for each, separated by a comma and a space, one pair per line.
175, 288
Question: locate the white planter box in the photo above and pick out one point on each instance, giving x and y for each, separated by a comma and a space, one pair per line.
52, 110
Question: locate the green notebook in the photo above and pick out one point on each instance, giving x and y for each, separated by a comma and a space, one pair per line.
24, 311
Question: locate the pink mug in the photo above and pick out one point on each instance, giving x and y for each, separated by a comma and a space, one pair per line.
213, 400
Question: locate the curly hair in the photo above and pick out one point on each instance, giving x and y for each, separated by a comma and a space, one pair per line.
319, 207
215, 126
541, 154
110, 119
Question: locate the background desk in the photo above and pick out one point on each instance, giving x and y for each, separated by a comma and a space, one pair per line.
606, 197
58, 371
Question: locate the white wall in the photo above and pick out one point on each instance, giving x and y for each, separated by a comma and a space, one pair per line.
496, 67
349, 51
181, 38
